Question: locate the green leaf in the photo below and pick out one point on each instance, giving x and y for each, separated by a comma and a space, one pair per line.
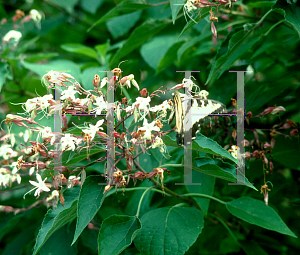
90, 200
251, 247
91, 6
218, 169
196, 17
80, 49
117, 233
291, 13
68, 5
233, 47
176, 5
206, 187
60, 242
122, 8
8, 221
40, 56
60, 65
203, 144
256, 212
286, 152
261, 4
78, 157
127, 20
139, 36
55, 219
88, 74
169, 230
160, 45
3, 73
169, 58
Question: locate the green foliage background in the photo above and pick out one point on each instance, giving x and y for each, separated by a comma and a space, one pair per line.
87, 36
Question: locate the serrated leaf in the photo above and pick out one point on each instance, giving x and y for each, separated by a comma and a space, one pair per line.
55, 219
90, 200
139, 36
117, 233
122, 8
170, 230
176, 5
80, 49
256, 212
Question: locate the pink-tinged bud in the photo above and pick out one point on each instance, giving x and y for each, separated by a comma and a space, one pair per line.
144, 93
272, 143
266, 198
256, 137
264, 158
28, 164
267, 145
271, 167
117, 135
26, 19
267, 111
139, 175
288, 124
255, 154
3, 21
91, 226
246, 143
247, 155
249, 114
224, 17
96, 80
213, 29
277, 110
43, 153
65, 121
102, 134
294, 132
178, 86
40, 165
123, 80
124, 101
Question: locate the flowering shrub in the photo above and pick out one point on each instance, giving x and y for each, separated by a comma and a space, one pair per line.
89, 158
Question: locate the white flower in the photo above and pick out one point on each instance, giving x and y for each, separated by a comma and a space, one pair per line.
161, 107
67, 140
158, 143
39, 186
101, 105
31, 104
5, 150
43, 101
13, 35
142, 103
35, 16
203, 94
103, 82
93, 129
147, 128
47, 133
69, 93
